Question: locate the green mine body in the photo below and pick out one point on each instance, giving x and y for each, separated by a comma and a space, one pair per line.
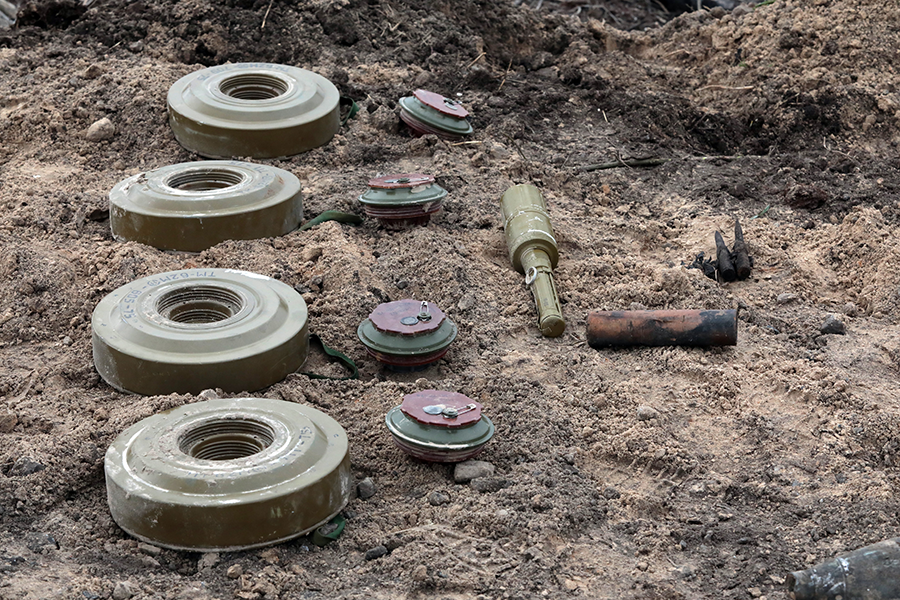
190, 330
427, 112
228, 474
260, 110
533, 251
439, 426
193, 206
407, 334
404, 199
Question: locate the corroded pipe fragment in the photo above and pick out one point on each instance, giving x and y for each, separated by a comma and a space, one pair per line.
662, 328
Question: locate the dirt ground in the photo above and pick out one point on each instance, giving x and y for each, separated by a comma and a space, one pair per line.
635, 473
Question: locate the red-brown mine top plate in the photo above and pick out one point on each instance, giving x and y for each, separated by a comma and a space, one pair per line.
413, 406
441, 104
388, 317
403, 180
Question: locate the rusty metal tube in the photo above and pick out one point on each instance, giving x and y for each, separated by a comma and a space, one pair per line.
662, 328
865, 574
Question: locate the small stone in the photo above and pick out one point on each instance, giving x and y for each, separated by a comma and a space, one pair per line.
611, 493
67, 341
570, 585
754, 592
833, 325
850, 309
40, 543
467, 302
234, 571
468, 470
402, 284
209, 394
198, 593
786, 298
136, 47
100, 130
123, 591
420, 573
645, 413
208, 560
270, 556
438, 498
311, 254
642, 566
499, 152
149, 550
150, 562
488, 485
93, 72
365, 489
8, 421
26, 466
685, 572
376, 552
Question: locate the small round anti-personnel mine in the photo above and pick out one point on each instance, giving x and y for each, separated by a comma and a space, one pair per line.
228, 474
193, 206
259, 110
439, 426
427, 112
404, 199
187, 331
407, 335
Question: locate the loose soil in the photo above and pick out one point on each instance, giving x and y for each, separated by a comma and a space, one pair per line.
631, 473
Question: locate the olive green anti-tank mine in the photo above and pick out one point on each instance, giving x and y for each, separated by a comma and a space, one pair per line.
228, 474
186, 331
260, 110
193, 206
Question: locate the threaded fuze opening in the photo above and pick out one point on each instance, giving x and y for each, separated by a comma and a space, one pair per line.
199, 304
202, 180
253, 86
226, 439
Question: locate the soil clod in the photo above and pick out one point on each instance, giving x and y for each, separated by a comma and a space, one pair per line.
466, 471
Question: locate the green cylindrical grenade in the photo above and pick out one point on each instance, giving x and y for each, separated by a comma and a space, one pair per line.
533, 251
